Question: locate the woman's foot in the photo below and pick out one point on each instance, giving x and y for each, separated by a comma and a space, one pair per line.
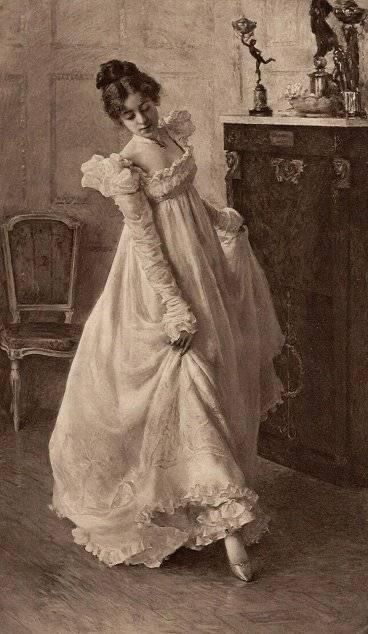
243, 571
238, 558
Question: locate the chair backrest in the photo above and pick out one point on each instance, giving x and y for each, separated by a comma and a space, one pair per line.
40, 257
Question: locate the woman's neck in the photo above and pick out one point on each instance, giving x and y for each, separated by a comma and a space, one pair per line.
155, 138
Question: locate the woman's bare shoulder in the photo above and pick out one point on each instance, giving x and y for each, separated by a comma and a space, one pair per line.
133, 152
129, 151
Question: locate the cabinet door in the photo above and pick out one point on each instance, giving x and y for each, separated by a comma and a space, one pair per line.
298, 228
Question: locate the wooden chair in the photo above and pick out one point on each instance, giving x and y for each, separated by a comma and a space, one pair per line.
40, 256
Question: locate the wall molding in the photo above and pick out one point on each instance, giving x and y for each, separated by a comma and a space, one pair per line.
21, 82
286, 40
149, 43
22, 32
67, 199
58, 44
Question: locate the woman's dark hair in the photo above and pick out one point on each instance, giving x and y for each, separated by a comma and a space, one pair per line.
119, 79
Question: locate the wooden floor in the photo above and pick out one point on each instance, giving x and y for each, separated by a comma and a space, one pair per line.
313, 565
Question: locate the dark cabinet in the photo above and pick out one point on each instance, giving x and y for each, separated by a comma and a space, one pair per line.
302, 188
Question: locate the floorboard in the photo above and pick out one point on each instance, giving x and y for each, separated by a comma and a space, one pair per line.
313, 565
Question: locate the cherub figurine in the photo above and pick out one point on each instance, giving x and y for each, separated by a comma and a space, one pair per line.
244, 29
257, 54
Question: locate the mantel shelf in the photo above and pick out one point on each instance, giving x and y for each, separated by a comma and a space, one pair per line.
277, 119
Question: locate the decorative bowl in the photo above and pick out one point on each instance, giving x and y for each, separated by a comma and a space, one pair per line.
312, 106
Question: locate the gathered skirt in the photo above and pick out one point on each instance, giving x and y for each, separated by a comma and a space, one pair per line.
152, 450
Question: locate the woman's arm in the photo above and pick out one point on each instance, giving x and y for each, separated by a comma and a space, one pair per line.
115, 177
147, 244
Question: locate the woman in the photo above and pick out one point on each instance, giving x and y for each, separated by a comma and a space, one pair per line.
155, 443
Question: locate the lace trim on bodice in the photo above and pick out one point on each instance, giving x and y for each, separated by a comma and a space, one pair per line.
170, 181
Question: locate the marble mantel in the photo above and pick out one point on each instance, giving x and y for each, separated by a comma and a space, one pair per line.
279, 120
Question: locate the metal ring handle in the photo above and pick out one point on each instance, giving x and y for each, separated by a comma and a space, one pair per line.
299, 386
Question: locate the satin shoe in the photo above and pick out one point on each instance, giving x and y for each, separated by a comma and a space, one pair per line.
243, 570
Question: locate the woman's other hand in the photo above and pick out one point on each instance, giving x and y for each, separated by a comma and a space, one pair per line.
183, 342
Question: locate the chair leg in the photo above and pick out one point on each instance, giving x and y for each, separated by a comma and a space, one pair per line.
15, 386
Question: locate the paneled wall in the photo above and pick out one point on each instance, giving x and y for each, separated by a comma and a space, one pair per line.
50, 112
51, 117
283, 32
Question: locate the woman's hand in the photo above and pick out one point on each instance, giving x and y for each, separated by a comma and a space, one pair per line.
183, 342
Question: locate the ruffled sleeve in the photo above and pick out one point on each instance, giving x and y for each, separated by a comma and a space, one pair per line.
111, 176
180, 125
225, 219
118, 178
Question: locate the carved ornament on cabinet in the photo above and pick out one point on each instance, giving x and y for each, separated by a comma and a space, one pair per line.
233, 164
342, 169
288, 170
233, 136
294, 378
233, 172
337, 144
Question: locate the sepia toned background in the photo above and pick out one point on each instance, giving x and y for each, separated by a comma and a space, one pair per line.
312, 568
51, 117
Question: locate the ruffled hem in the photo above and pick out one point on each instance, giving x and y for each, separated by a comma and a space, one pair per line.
227, 519
199, 496
155, 552
214, 515
208, 517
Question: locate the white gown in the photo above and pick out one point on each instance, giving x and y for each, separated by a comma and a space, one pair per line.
152, 450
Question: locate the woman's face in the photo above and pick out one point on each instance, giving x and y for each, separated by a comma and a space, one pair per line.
140, 115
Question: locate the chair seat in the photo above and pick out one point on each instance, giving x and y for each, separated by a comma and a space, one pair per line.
46, 336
